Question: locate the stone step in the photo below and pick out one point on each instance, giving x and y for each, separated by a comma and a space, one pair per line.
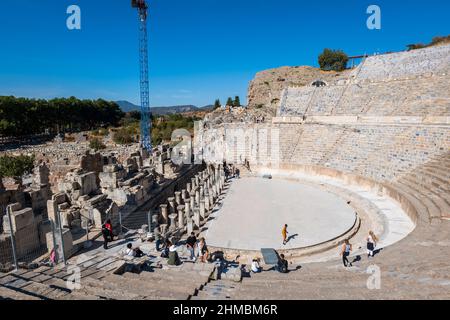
434, 174
197, 281
96, 288
439, 202
211, 296
431, 209
429, 183
37, 290
438, 169
44, 279
113, 290
12, 294
48, 291
152, 290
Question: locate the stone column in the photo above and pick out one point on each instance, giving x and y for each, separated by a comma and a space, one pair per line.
202, 191
180, 216
197, 179
183, 195
190, 226
163, 228
216, 174
193, 185
178, 197
218, 188
164, 213
192, 203
197, 197
155, 220
173, 219
202, 209
172, 208
211, 181
188, 187
211, 201
187, 211
197, 218
207, 204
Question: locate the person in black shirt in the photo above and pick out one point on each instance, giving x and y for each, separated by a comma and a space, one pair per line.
190, 244
282, 265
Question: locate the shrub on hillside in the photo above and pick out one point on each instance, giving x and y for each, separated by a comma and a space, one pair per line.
335, 60
96, 144
123, 136
16, 166
434, 41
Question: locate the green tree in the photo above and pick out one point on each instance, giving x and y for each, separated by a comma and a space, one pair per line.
217, 104
21, 116
96, 144
16, 166
230, 102
237, 102
333, 60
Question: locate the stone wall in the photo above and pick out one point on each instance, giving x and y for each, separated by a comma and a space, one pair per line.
378, 151
433, 60
419, 96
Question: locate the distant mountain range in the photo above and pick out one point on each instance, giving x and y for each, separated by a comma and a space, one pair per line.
127, 106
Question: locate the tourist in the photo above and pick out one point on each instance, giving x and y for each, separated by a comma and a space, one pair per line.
158, 239
345, 252
203, 252
165, 250
174, 259
138, 252
190, 244
282, 265
54, 257
227, 173
133, 252
256, 268
371, 243
106, 236
238, 173
284, 233
129, 251
108, 226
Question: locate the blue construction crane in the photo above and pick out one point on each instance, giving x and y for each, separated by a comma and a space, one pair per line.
146, 124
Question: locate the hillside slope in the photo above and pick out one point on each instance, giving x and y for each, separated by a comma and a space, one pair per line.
265, 89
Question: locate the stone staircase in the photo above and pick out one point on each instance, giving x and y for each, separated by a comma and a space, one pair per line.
428, 187
108, 278
217, 290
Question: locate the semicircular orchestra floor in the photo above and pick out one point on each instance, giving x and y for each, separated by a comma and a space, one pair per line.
254, 211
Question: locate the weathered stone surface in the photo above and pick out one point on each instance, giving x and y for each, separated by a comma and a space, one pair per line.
20, 219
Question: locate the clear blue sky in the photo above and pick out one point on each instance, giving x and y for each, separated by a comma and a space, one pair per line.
199, 50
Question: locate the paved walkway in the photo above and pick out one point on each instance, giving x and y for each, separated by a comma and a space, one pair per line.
254, 211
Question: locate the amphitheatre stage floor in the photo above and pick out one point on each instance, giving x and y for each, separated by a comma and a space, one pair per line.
254, 211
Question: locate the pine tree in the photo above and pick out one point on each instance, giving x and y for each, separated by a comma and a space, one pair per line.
217, 104
237, 102
230, 102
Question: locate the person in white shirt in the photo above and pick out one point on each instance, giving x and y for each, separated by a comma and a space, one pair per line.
129, 251
371, 244
256, 268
